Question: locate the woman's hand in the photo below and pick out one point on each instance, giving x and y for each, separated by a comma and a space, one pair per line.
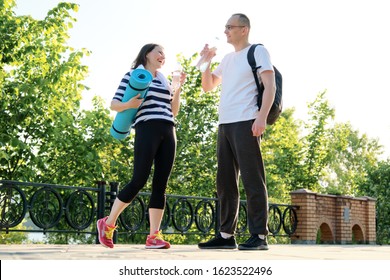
134, 102
183, 77
119, 106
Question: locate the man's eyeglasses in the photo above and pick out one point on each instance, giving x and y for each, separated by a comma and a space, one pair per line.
230, 27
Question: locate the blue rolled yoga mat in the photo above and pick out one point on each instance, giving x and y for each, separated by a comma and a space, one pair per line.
140, 80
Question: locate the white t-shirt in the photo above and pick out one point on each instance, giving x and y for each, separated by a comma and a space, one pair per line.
157, 103
238, 100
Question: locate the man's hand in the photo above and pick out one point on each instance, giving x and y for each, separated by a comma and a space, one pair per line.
259, 126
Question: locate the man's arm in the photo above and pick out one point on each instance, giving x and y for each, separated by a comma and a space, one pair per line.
209, 81
268, 79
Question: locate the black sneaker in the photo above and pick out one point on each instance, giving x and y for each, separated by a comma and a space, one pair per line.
219, 242
254, 243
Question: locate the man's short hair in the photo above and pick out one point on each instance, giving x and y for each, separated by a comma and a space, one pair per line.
244, 20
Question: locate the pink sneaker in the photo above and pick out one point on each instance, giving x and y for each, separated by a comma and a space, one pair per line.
105, 233
156, 241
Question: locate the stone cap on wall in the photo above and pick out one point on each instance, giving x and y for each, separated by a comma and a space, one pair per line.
308, 192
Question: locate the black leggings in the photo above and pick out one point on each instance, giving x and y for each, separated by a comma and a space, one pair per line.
154, 141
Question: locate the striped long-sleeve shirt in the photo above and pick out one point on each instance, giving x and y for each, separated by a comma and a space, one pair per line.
156, 105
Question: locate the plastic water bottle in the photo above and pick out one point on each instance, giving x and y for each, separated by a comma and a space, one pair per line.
205, 60
176, 77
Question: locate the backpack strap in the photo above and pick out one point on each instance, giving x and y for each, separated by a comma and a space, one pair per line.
251, 57
252, 63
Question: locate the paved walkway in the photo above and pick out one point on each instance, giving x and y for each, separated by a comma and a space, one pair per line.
186, 262
191, 252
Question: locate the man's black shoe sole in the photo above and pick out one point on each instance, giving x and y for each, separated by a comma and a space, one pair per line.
262, 248
218, 247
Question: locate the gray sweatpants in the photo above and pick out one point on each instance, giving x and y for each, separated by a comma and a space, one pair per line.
238, 153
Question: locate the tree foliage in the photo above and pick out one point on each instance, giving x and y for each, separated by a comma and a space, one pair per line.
283, 157
351, 156
316, 140
40, 89
15, 237
195, 165
377, 185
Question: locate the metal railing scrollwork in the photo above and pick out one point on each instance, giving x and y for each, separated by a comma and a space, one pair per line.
70, 209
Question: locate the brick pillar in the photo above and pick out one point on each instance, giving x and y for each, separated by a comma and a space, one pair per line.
371, 220
306, 232
343, 217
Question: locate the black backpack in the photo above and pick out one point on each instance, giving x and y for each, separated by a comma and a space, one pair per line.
276, 108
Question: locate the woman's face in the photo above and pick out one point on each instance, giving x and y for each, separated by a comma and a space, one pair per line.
156, 58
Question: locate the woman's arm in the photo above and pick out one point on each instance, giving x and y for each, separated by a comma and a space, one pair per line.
119, 106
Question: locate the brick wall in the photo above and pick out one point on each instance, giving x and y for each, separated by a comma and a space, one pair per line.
334, 219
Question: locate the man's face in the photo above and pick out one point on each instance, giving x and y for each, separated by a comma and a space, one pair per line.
234, 30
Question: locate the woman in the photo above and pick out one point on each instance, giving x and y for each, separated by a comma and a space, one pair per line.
155, 141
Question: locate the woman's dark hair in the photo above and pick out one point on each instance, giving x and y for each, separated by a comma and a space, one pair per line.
141, 57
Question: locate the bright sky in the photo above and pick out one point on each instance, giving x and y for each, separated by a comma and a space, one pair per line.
341, 46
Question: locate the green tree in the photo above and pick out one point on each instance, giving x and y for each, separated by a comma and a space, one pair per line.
40, 89
336, 158
282, 151
109, 159
316, 142
377, 186
46, 135
351, 156
89, 152
195, 165
15, 237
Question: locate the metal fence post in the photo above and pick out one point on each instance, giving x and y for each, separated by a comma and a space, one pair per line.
217, 214
101, 201
114, 186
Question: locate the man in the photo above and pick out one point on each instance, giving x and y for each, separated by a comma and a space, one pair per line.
241, 125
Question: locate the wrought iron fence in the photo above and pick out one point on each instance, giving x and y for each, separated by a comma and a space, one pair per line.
72, 209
